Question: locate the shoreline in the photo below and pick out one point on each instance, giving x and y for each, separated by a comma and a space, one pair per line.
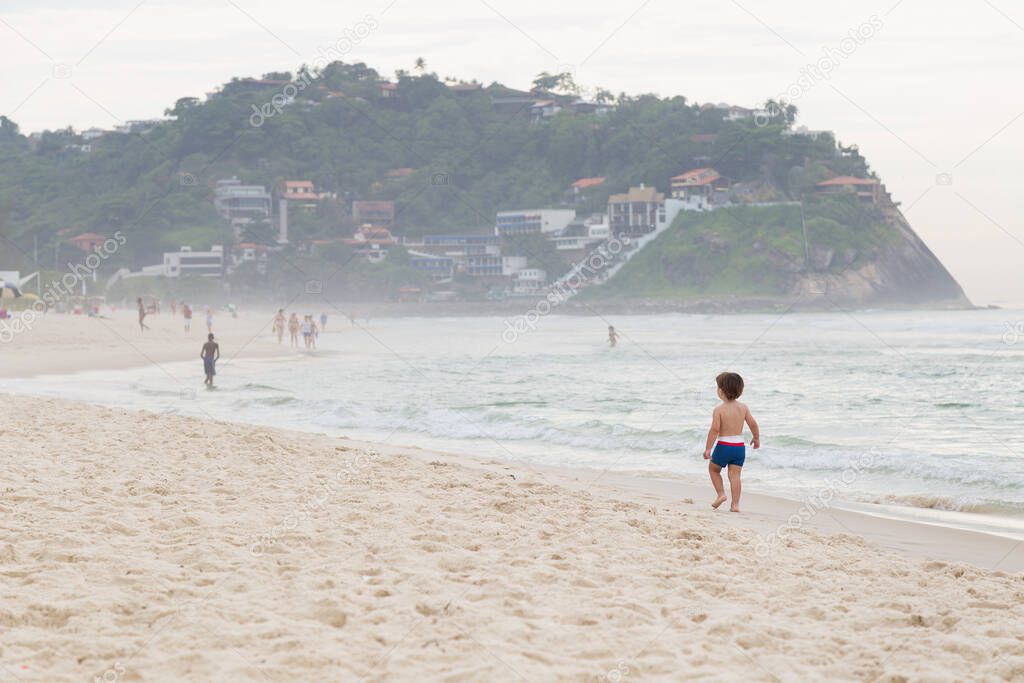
515, 307
62, 348
774, 516
765, 513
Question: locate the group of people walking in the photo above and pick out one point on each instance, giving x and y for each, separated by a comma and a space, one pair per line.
307, 327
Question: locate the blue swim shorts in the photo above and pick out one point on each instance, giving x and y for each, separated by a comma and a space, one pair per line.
730, 452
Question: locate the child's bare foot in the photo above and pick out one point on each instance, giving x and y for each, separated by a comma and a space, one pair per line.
734, 509
718, 501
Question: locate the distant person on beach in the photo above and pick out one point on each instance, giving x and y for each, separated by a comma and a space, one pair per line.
323, 321
142, 315
307, 329
314, 332
293, 330
729, 451
186, 311
279, 324
613, 337
209, 320
174, 307
210, 355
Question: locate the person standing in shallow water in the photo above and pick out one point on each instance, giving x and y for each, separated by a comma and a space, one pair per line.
613, 337
210, 355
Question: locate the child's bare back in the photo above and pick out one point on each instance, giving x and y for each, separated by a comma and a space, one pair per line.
731, 417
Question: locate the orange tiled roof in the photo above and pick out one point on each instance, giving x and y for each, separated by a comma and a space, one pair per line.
584, 183
696, 178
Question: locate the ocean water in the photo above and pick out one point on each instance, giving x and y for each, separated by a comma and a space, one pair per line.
884, 411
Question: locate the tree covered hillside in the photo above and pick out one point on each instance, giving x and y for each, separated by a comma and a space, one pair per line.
449, 157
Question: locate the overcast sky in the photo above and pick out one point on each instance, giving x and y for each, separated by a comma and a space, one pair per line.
932, 90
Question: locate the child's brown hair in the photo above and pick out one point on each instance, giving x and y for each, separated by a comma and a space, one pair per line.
731, 385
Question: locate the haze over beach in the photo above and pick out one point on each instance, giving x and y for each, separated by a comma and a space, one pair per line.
495, 342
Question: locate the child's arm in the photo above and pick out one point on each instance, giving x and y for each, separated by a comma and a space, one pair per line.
716, 426
754, 429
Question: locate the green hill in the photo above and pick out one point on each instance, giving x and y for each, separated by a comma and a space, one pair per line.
752, 251
469, 158
449, 154
827, 250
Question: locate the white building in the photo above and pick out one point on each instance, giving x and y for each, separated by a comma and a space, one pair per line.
805, 131
188, 262
579, 237
641, 211
529, 282
544, 109
544, 221
93, 134
734, 113
238, 202
511, 265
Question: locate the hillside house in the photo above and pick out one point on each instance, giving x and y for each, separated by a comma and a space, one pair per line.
697, 188
374, 213
867, 190
640, 211
241, 203
544, 109
534, 221
186, 262
529, 282
579, 189
300, 193
88, 241
585, 107
512, 104
372, 243
580, 236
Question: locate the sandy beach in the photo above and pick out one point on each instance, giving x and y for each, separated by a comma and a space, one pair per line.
63, 344
145, 547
